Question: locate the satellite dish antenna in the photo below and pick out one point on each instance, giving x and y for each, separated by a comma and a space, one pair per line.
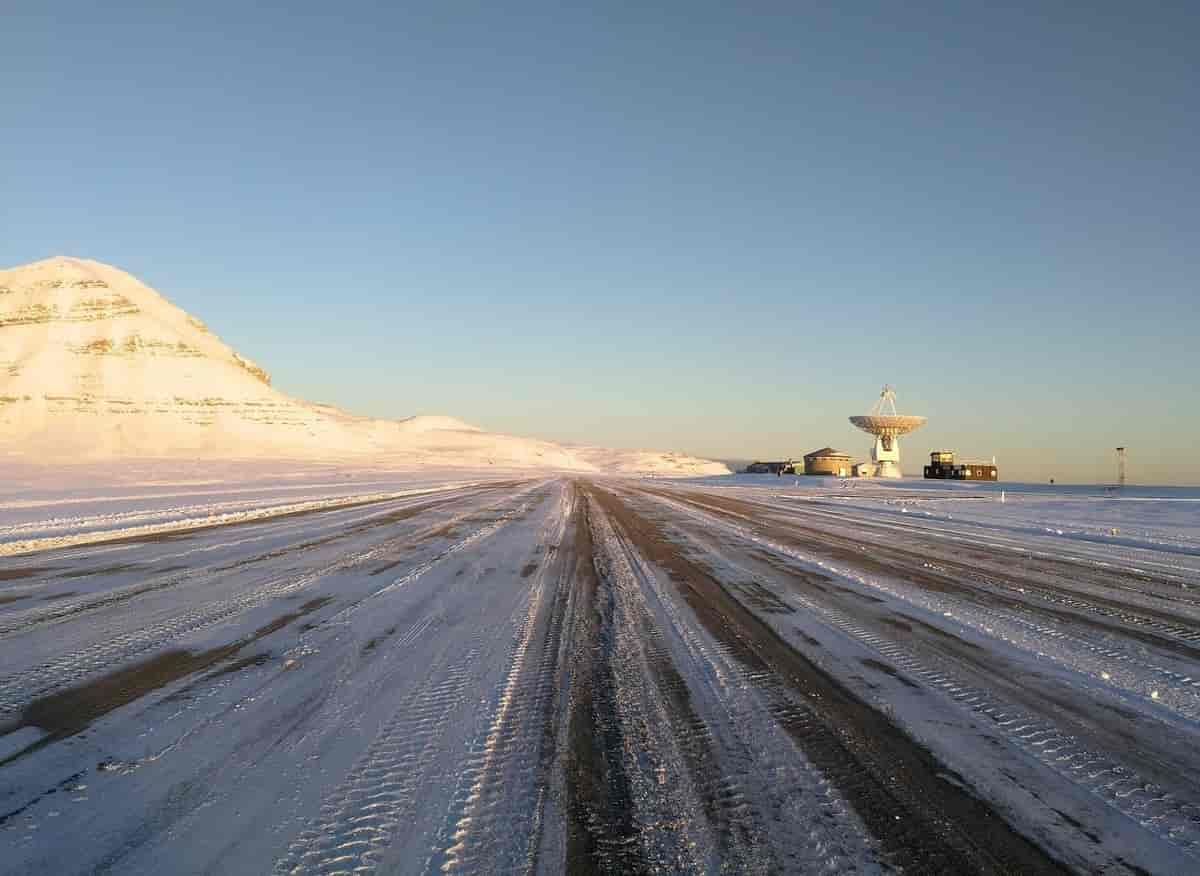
887, 426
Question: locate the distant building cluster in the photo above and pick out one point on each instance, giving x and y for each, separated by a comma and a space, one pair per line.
829, 462
825, 461
886, 426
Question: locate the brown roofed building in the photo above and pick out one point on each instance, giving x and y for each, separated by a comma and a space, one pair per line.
828, 461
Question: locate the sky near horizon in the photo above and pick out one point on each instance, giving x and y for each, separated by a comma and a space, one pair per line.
717, 228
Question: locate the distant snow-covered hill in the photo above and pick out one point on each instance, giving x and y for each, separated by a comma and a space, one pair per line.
633, 462
96, 365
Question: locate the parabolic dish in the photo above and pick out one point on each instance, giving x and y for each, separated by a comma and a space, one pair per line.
888, 424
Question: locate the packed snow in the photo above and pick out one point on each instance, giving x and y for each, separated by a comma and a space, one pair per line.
300, 668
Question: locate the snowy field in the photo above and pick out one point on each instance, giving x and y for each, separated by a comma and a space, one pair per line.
313, 669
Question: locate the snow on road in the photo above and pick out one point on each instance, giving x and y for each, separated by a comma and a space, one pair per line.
424, 673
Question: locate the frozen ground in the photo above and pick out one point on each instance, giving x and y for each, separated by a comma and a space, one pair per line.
308, 669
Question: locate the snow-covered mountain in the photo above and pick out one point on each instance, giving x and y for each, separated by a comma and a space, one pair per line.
96, 365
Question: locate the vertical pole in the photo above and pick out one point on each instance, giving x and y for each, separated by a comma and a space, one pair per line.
1120, 466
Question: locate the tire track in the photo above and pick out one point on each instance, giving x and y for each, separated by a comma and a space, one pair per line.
405, 764
1125, 560
358, 818
18, 689
923, 818
602, 833
1176, 690
1161, 631
26, 621
769, 806
496, 812
1118, 786
139, 532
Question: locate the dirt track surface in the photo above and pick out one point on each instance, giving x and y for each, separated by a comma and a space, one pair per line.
608, 676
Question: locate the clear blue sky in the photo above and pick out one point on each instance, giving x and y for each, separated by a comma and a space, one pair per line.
711, 227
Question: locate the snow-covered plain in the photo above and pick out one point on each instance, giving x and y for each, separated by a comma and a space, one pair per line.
300, 668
